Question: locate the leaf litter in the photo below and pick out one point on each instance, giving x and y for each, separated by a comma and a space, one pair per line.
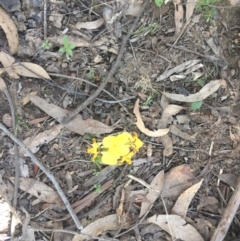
176, 185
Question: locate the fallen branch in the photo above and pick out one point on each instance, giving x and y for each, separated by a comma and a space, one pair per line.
112, 71
228, 215
48, 174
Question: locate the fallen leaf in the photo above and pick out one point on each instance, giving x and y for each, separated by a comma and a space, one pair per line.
178, 69
207, 201
7, 62
176, 181
39, 190
176, 227
190, 6
181, 206
90, 25
77, 124
156, 187
174, 130
98, 227
30, 70
206, 91
169, 112
141, 126
133, 6
26, 99
229, 178
7, 120
10, 30
42, 138
178, 16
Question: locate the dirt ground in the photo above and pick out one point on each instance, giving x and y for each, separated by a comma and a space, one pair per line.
205, 142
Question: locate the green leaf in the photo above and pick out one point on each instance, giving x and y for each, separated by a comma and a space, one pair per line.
201, 82
159, 2
70, 52
72, 46
65, 41
62, 50
196, 105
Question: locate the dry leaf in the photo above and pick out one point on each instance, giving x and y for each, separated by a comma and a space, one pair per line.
176, 181
90, 25
42, 138
26, 99
176, 227
141, 126
229, 178
174, 130
178, 16
77, 124
181, 206
170, 111
178, 69
7, 120
98, 227
10, 30
39, 190
190, 8
133, 6
206, 91
30, 70
207, 201
7, 62
156, 187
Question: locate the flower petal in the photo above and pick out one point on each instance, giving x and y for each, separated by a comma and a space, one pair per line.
109, 158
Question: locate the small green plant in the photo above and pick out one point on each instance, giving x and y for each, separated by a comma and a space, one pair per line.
20, 122
203, 6
95, 173
46, 45
67, 48
158, 2
98, 188
91, 73
151, 27
196, 105
149, 100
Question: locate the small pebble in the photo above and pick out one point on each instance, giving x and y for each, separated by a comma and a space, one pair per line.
64, 65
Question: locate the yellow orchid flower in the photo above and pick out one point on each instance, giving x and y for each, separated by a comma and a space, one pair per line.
94, 150
115, 149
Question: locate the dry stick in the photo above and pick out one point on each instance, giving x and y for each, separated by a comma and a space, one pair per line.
3, 88
49, 175
228, 215
112, 71
45, 20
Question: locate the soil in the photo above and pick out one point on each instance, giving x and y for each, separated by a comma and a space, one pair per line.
215, 126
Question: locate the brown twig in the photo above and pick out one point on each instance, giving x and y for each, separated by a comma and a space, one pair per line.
228, 215
111, 72
4, 89
48, 174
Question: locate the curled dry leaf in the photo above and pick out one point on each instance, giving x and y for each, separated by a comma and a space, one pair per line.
181, 206
39, 190
77, 124
10, 30
90, 25
156, 188
141, 126
176, 227
30, 70
206, 91
98, 227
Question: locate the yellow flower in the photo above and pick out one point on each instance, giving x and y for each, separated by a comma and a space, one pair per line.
127, 158
119, 145
137, 143
94, 150
109, 158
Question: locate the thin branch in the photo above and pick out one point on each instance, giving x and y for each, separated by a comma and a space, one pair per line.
112, 71
48, 174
